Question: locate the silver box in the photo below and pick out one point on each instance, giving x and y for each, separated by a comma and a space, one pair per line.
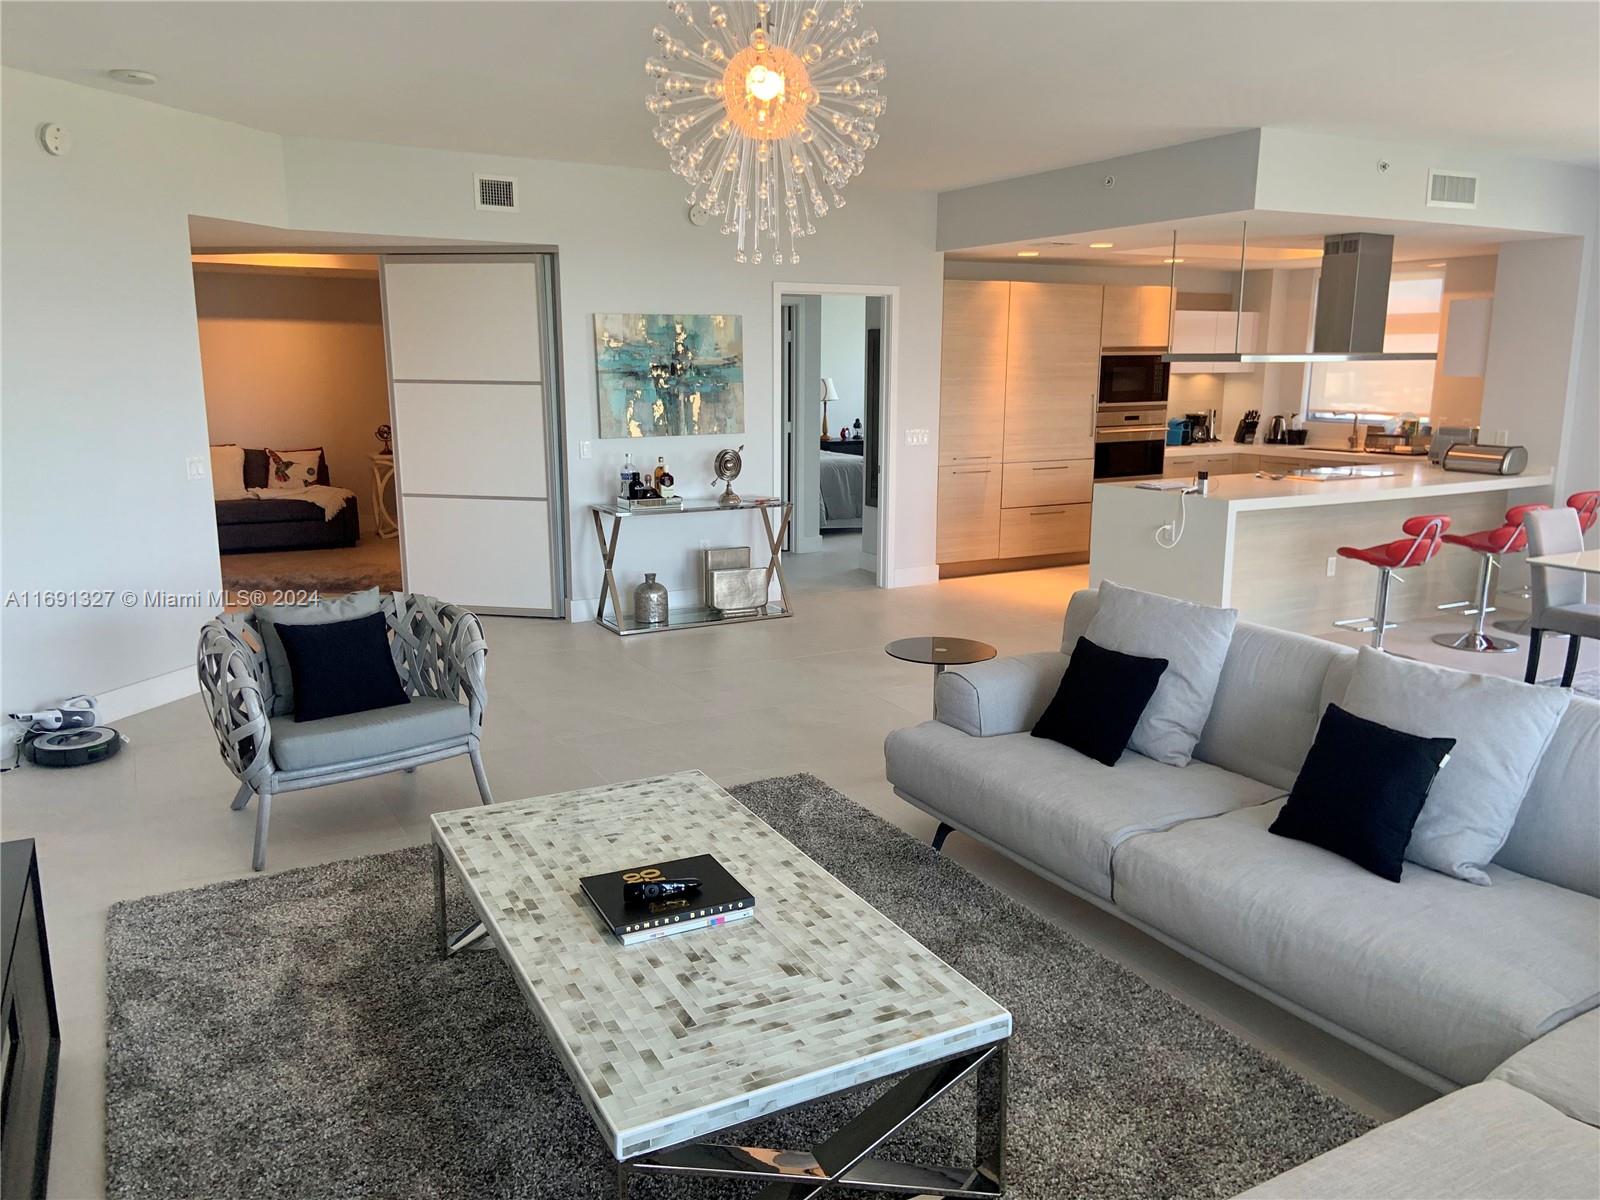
722, 559
737, 591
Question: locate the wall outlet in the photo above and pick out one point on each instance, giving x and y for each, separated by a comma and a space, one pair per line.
1333, 565
586, 449
194, 467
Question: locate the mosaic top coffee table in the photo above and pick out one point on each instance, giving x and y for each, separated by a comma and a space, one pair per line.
678, 1040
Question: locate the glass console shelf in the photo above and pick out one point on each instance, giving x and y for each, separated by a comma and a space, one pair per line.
622, 623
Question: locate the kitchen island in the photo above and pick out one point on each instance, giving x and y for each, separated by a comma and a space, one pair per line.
1268, 547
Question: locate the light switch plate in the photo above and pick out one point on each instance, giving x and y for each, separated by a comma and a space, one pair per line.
585, 449
194, 467
1333, 565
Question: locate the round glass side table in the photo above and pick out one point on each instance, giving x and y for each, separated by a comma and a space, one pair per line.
940, 652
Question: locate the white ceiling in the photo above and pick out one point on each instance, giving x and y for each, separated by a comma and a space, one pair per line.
976, 90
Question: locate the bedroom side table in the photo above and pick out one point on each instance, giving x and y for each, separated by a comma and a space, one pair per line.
382, 478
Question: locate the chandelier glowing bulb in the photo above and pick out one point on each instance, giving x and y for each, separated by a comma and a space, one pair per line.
767, 109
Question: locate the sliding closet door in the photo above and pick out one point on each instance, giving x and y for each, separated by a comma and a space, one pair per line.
476, 471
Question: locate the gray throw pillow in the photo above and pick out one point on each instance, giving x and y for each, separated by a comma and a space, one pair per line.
1501, 728
356, 604
1193, 638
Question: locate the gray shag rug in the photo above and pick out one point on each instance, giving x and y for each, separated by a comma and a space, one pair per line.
296, 1035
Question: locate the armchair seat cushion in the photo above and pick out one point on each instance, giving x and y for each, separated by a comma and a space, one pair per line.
355, 737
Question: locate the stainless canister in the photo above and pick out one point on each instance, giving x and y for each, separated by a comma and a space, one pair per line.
1486, 460
650, 601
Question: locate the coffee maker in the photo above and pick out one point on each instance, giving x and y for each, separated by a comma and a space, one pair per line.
1200, 427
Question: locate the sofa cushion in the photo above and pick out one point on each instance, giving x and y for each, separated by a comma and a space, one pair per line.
1193, 638
1003, 695
1100, 700
1501, 729
307, 745
1562, 1068
1453, 978
1556, 836
1050, 806
1272, 694
341, 667
1489, 1141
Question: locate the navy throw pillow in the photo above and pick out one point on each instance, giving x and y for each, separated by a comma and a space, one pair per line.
1101, 698
1361, 790
341, 667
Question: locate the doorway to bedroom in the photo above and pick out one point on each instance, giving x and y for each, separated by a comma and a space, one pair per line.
297, 407
833, 376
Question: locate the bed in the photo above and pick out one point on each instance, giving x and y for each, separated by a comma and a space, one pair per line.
844, 489
281, 522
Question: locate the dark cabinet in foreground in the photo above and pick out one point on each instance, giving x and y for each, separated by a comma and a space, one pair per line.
28, 1024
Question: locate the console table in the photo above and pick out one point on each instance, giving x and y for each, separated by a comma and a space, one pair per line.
621, 621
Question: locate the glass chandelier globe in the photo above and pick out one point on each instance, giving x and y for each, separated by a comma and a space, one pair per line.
768, 110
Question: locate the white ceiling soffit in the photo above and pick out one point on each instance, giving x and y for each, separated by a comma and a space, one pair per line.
977, 90
216, 235
1274, 240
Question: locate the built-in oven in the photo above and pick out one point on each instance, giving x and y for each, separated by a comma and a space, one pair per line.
1129, 441
1133, 379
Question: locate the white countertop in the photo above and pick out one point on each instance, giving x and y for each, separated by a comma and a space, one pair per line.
1276, 450
1411, 480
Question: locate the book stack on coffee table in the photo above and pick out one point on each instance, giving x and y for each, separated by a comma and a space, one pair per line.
716, 899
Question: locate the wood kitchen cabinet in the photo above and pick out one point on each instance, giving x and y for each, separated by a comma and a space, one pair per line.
1135, 317
1059, 529
1027, 485
972, 371
968, 513
1052, 372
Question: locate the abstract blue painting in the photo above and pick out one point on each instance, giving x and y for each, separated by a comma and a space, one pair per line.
669, 375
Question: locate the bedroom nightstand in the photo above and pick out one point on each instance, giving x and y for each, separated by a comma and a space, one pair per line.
382, 477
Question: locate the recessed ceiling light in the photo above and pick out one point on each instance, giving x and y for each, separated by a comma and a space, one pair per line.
1172, 260
1101, 245
1437, 264
131, 75
1027, 254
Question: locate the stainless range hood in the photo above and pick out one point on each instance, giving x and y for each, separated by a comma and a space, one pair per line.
1352, 307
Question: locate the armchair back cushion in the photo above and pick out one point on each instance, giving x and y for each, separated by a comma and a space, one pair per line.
343, 608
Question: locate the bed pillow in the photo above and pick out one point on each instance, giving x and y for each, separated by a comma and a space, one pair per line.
227, 472
1193, 638
323, 612
1501, 728
293, 469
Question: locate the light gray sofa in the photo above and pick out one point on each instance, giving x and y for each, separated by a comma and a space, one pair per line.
1440, 978
1526, 1133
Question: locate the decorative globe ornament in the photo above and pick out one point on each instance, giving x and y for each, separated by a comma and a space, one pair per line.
768, 110
727, 465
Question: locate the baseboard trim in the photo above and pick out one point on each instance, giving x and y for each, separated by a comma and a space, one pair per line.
915, 577
147, 694
995, 566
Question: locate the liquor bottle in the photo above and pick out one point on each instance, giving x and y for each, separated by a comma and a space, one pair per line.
667, 485
628, 476
661, 469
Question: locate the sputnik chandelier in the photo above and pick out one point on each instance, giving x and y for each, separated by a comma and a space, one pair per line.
767, 109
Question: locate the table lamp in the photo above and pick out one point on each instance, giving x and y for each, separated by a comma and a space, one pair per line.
829, 392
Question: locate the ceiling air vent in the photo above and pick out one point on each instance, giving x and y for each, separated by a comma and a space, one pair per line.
498, 192
1452, 189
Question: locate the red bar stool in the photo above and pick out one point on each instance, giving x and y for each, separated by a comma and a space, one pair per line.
1510, 538
1421, 544
1587, 505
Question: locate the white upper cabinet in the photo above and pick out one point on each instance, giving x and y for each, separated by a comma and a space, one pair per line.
1195, 332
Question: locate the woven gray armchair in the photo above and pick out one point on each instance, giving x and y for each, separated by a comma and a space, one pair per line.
439, 652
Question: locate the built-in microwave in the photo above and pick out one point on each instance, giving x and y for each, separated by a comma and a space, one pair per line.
1133, 379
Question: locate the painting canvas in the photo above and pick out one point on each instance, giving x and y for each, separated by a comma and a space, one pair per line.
669, 375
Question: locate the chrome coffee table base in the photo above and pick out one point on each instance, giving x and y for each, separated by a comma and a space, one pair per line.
845, 1159
1478, 643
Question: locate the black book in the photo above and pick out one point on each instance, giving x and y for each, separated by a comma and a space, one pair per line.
720, 900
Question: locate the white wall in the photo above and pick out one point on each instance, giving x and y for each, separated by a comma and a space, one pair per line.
806, 485
844, 357
103, 376
293, 360
103, 400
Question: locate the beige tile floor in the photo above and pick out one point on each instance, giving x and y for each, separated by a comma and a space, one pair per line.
572, 705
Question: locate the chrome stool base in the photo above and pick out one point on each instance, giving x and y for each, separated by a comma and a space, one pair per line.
1476, 642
